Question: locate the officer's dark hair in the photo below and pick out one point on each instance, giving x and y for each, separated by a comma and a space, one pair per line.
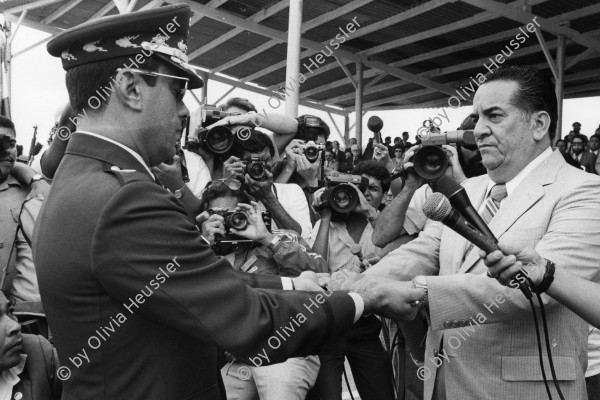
223, 191
254, 144
238, 102
7, 123
97, 79
535, 91
595, 135
374, 169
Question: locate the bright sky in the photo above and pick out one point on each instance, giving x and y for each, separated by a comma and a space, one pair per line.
38, 91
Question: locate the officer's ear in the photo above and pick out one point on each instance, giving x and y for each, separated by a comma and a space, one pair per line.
128, 89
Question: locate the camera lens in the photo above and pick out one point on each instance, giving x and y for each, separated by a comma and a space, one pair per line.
219, 139
256, 170
311, 153
343, 198
430, 162
237, 220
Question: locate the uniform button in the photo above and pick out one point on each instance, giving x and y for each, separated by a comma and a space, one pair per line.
447, 324
455, 324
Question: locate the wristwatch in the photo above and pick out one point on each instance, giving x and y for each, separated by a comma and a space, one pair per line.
420, 283
35, 178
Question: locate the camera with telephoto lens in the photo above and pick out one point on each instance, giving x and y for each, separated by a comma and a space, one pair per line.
311, 150
430, 161
5, 142
219, 139
341, 196
257, 167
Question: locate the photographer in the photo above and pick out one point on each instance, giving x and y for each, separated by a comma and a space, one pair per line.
313, 132
251, 162
280, 253
337, 235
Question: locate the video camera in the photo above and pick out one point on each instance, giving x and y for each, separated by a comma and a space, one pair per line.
430, 161
257, 167
217, 140
340, 196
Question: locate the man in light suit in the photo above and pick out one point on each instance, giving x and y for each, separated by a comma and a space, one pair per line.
481, 343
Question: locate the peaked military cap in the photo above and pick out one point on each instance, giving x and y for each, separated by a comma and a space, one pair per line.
160, 32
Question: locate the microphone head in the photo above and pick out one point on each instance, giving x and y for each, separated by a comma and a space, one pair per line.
375, 124
437, 207
448, 186
356, 249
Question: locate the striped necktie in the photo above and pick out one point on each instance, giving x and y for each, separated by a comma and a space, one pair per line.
492, 204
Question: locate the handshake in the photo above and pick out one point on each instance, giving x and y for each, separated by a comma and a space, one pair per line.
381, 296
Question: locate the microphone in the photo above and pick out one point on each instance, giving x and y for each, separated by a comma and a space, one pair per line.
460, 200
438, 208
375, 124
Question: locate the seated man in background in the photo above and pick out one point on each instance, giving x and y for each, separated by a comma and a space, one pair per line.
278, 252
331, 164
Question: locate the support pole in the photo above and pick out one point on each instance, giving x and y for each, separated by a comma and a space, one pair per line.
203, 89
560, 81
358, 104
346, 130
292, 73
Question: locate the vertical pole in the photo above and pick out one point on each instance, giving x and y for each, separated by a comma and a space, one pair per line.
204, 89
292, 72
358, 104
7, 83
560, 81
346, 130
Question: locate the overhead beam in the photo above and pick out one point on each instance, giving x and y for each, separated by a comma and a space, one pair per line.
413, 12
7, 9
448, 50
33, 24
213, 3
582, 56
152, 4
257, 17
103, 11
62, 10
308, 25
547, 54
526, 17
432, 54
268, 93
310, 44
347, 72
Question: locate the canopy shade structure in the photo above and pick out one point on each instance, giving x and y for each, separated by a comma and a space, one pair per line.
414, 53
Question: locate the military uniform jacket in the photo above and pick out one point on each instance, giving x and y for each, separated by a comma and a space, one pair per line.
138, 304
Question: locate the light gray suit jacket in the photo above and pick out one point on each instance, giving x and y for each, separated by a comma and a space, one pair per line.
486, 330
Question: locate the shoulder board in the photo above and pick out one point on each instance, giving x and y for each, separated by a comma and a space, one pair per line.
126, 176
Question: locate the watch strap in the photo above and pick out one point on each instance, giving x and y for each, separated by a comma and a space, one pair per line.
548, 277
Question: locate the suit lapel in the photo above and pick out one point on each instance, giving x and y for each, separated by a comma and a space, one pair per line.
529, 191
